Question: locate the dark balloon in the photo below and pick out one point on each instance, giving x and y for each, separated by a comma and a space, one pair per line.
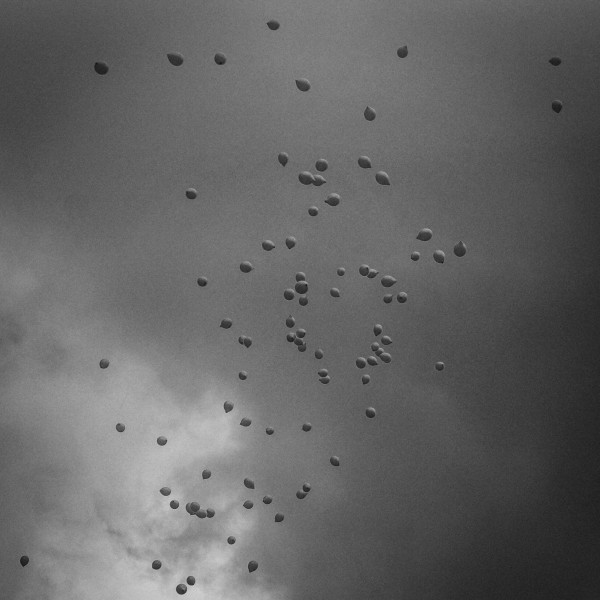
246, 422
556, 106
161, 441
252, 566
101, 68
318, 353
334, 292
402, 52
460, 249
181, 589
246, 266
273, 25
370, 114
156, 564
325, 380
202, 281
386, 340
104, 363
165, 491
313, 211
300, 332
371, 360
300, 276
194, 507
201, 513
555, 61
300, 495
290, 322
319, 180
306, 427
363, 270
268, 499
248, 504
270, 431
333, 199
439, 256
305, 177
220, 58
374, 346
377, 329
366, 379
382, 178
303, 301
306, 487
174, 504
388, 281
249, 483
290, 337
190, 580
361, 362
439, 366
301, 287
243, 375
283, 158
387, 298
341, 271
402, 297
335, 461
288, 294
385, 357
227, 406
206, 474
210, 513
120, 427
321, 165
424, 235
364, 162
24, 560
191, 194
370, 412
322, 372
278, 517
231, 540
303, 84
175, 59
268, 245
372, 273
415, 256
290, 241
247, 341
226, 323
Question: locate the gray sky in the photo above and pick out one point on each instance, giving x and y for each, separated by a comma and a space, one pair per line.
476, 482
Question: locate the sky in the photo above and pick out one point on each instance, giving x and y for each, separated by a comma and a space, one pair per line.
479, 481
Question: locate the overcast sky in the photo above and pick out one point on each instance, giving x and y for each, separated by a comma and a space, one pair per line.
479, 481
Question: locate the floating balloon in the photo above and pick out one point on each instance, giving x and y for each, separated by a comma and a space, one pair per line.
385, 357
273, 25
365, 379
425, 235
156, 565
370, 412
270, 431
300, 332
364, 162
246, 422
220, 58
243, 375
300, 276
370, 114
228, 406
300, 495
104, 363
306, 487
377, 329
460, 249
101, 68
202, 281
335, 461
305, 177
555, 61
302, 348
249, 483
374, 346
319, 180
557, 106
246, 266
386, 340
322, 372
175, 58
335, 293
313, 211
252, 566
290, 337
371, 360
415, 256
321, 165
247, 341
290, 242
388, 281
188, 508
341, 271
165, 491
303, 301
268, 245
325, 380
191, 194
194, 507
333, 199
190, 580
372, 273
24, 560
298, 341
303, 84
231, 540
278, 517
363, 270
306, 427
301, 287
319, 353
402, 52
402, 297
283, 158
379, 351
387, 298
201, 513
210, 513
161, 440
382, 178
226, 323
206, 474
439, 256
290, 322
288, 294
248, 504
120, 427
361, 362
174, 504
439, 366
181, 589
268, 499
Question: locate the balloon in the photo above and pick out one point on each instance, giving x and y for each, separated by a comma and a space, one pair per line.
341, 271
175, 59
220, 58
402, 297
319, 180
303, 301
554, 61
372, 273
556, 106
249, 483
379, 351
374, 346
241, 339
202, 281
206, 474
303, 85
302, 348
402, 52
364, 162
226, 323
290, 321
439, 366
283, 158
248, 504
270, 431
333, 199
460, 249
268, 499
387, 298
161, 440
361, 362
377, 329
300, 332
252, 566
24, 560
370, 412
288, 294
181, 589
424, 235
369, 114
371, 360
298, 341
194, 507
231, 540
382, 178
385, 357
335, 461
247, 341
388, 281
174, 504
305, 177
278, 517
386, 340
210, 513
104, 363
366, 379
306, 487
290, 241
325, 380
300, 495
268, 245
191, 194
243, 375
120, 427
101, 68
188, 508
335, 293
313, 211
439, 256
415, 256
228, 406
156, 564
246, 266
273, 25
201, 513
290, 337
190, 580
246, 422
165, 491
301, 287
363, 270
306, 427
322, 372
319, 353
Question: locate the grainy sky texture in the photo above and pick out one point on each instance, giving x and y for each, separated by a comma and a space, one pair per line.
480, 481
